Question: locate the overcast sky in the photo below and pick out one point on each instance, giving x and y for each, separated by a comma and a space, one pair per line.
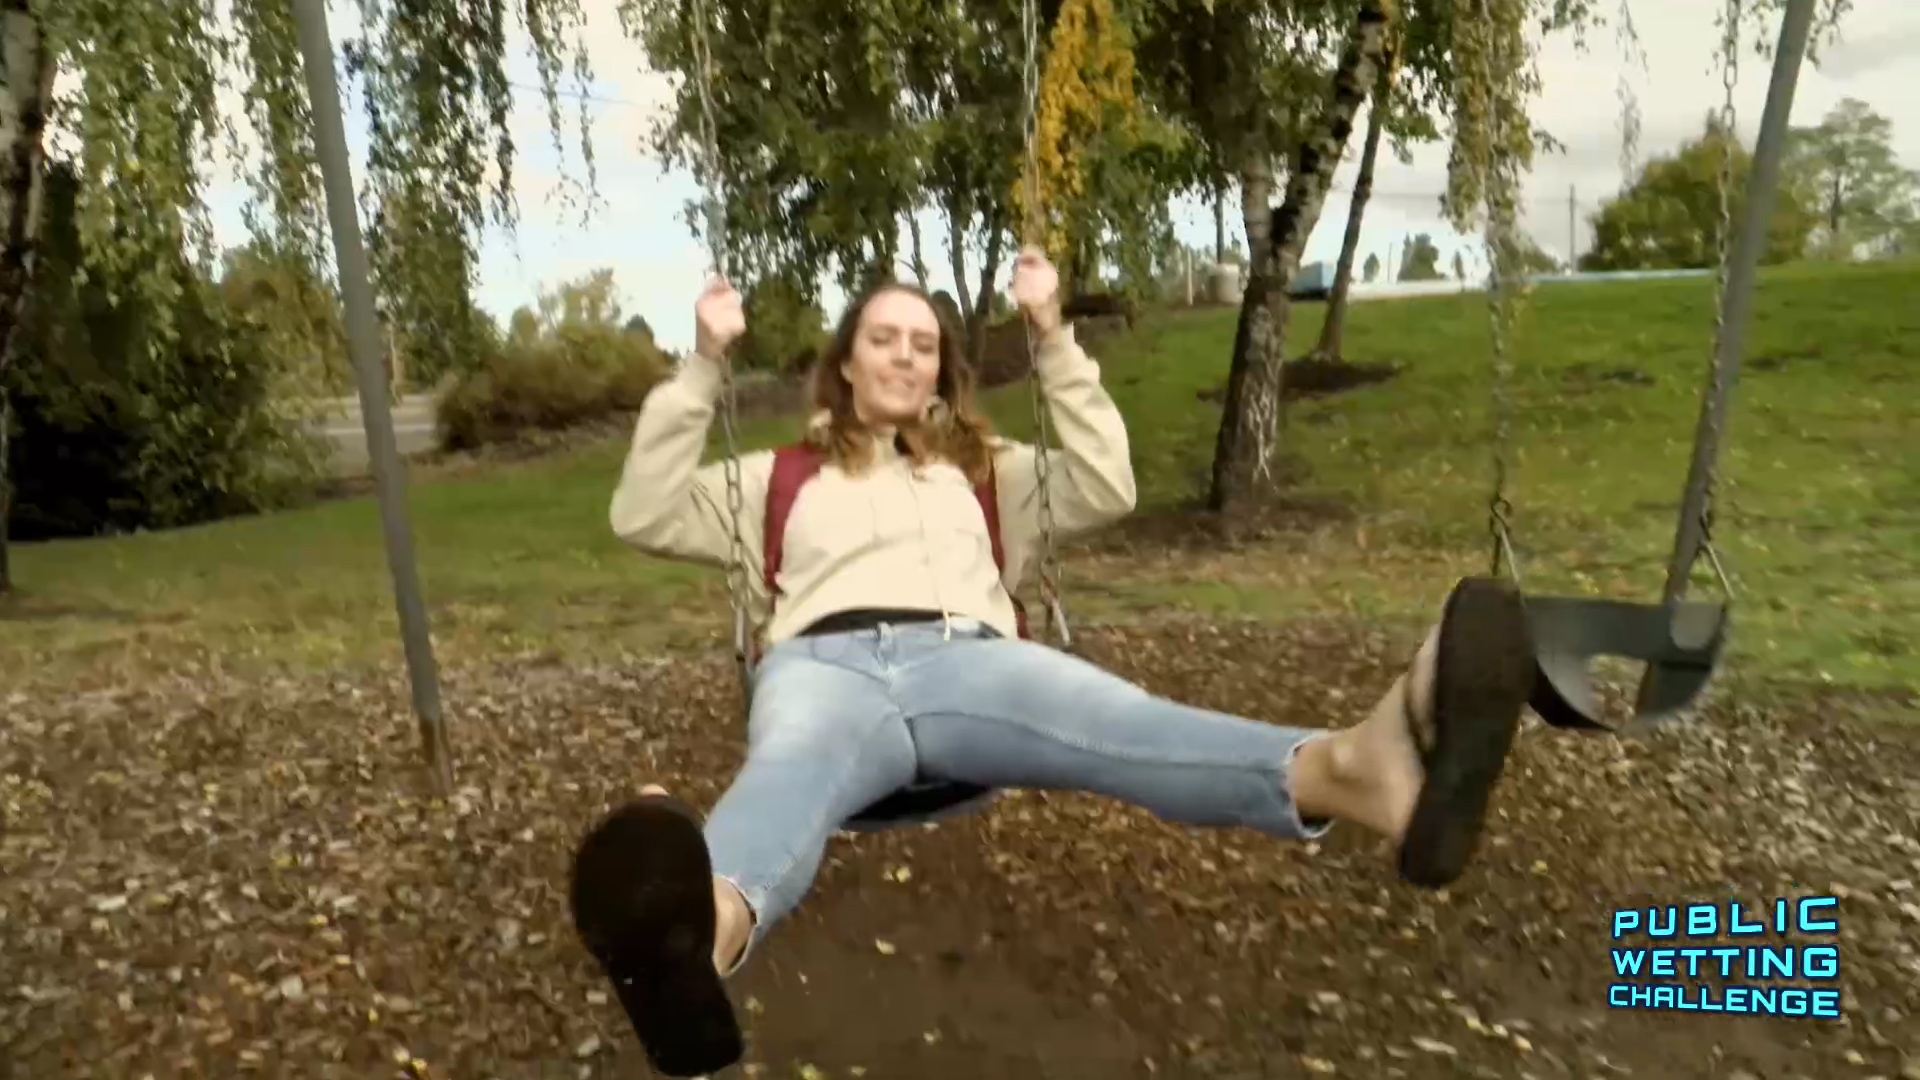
639, 232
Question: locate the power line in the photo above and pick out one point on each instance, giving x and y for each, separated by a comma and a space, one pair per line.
577, 95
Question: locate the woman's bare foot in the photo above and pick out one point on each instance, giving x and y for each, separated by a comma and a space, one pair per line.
1370, 774
733, 919
1421, 770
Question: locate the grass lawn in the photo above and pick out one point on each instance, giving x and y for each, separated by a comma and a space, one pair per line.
1820, 519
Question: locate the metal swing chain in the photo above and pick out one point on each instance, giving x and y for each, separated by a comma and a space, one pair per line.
1499, 508
737, 586
1042, 467
708, 169
1716, 372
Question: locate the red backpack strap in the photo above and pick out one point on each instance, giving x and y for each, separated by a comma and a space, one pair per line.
793, 466
987, 492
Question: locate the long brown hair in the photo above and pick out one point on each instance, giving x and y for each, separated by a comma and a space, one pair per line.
955, 432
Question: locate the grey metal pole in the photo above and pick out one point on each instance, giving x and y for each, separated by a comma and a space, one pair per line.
1744, 262
1737, 305
363, 346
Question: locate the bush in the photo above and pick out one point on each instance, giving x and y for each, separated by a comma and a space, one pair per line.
785, 330
111, 435
572, 375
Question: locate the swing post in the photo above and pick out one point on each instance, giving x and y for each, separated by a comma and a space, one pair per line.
1692, 535
1680, 642
363, 347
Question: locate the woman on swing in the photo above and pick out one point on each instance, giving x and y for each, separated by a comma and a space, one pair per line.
893, 656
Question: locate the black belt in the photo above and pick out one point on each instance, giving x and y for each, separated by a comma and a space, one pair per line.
846, 622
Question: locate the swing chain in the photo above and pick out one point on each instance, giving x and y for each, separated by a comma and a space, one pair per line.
1042, 470
708, 168
1034, 227
1030, 118
1499, 507
743, 630
1716, 373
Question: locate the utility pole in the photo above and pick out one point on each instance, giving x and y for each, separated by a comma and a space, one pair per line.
1219, 222
363, 346
1573, 208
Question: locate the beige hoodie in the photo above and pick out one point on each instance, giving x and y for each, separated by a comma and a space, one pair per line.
885, 538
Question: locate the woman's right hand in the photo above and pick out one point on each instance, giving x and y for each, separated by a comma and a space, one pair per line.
719, 318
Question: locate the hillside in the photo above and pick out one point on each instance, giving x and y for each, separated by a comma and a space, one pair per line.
1819, 523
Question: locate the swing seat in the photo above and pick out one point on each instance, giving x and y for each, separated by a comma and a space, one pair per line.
920, 801
1680, 644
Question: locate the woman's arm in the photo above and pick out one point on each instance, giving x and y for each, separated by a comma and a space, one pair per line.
670, 505
1090, 475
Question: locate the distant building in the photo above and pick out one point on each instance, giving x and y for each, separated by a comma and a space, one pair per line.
1313, 281
1227, 282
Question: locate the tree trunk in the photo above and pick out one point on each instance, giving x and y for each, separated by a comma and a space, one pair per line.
980, 317
886, 259
1078, 269
958, 218
26, 88
1219, 223
1252, 335
1243, 455
1335, 327
976, 305
919, 258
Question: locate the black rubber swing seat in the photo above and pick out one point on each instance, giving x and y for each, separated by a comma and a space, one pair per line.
922, 800
1680, 643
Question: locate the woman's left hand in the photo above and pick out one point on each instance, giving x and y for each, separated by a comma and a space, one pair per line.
1036, 289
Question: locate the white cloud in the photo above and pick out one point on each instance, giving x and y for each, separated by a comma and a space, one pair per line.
620, 69
1866, 47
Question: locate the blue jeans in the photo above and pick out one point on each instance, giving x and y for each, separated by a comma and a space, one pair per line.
840, 720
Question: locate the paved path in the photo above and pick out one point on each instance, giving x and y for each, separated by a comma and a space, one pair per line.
413, 424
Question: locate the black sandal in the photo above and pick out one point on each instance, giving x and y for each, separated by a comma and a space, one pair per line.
642, 896
1483, 675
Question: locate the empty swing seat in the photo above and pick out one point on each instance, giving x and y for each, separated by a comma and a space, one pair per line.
920, 801
1680, 643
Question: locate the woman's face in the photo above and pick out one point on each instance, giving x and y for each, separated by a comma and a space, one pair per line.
895, 365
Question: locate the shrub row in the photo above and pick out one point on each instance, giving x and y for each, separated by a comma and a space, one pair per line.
575, 375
